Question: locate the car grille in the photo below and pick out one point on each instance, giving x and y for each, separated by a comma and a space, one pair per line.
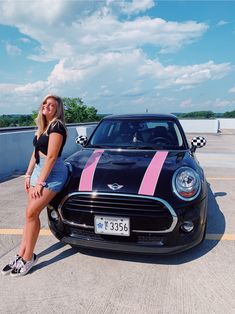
146, 213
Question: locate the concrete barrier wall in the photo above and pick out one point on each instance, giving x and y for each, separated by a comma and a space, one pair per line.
226, 123
200, 126
16, 149
85, 130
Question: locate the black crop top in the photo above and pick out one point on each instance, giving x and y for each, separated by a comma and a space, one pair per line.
41, 144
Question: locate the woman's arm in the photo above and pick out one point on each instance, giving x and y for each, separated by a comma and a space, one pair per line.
31, 165
54, 145
29, 171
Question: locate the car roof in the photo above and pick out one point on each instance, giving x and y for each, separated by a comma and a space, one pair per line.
142, 116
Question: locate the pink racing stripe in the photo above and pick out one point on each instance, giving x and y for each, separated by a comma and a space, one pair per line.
152, 173
87, 176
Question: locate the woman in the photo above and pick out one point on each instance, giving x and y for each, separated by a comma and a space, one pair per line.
44, 178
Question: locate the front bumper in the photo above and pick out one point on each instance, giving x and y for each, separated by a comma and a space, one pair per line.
146, 248
171, 242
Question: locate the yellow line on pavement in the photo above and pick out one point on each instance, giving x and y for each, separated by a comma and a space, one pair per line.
217, 157
43, 232
47, 232
221, 178
218, 236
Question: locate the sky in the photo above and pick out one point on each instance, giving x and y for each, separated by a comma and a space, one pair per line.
120, 56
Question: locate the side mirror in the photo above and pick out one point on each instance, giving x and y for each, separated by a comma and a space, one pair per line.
197, 142
81, 140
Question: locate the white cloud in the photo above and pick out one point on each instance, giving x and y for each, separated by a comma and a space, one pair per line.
136, 6
24, 101
222, 23
7, 88
232, 90
75, 27
31, 88
12, 50
105, 93
97, 34
184, 76
135, 91
46, 13
139, 101
24, 40
187, 103
216, 105
100, 57
120, 66
111, 80
223, 103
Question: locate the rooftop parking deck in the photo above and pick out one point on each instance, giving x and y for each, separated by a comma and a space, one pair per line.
201, 280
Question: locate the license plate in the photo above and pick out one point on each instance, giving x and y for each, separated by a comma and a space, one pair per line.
119, 226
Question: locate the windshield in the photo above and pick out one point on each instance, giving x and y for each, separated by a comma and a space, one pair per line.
137, 134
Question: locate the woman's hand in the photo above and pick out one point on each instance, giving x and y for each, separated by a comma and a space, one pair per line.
36, 191
27, 184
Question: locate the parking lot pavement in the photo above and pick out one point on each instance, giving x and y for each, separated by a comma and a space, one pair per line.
65, 280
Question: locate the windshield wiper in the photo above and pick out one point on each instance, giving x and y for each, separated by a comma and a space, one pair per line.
94, 146
139, 147
145, 147
97, 146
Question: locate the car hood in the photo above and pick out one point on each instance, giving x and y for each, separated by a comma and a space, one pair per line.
143, 172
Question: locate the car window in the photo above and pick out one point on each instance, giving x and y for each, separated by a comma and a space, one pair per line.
136, 133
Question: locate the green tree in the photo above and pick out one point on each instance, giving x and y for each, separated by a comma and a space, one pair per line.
198, 115
25, 120
34, 116
76, 111
12, 120
229, 114
5, 121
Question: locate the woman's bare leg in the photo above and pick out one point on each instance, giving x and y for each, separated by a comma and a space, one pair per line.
23, 244
32, 222
23, 241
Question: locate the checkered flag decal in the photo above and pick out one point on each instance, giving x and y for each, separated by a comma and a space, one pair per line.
198, 141
81, 139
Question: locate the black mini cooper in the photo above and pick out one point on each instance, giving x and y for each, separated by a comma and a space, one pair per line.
134, 186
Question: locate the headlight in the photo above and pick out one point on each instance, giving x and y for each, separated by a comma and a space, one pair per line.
186, 183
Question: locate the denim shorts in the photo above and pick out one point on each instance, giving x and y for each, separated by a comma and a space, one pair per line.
56, 178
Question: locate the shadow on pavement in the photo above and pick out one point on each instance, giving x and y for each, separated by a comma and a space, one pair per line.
215, 225
69, 252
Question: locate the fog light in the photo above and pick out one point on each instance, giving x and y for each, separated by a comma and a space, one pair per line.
187, 226
54, 215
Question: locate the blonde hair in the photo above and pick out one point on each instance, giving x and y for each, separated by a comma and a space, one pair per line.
41, 121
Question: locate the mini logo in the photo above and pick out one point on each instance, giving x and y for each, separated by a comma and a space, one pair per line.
115, 186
